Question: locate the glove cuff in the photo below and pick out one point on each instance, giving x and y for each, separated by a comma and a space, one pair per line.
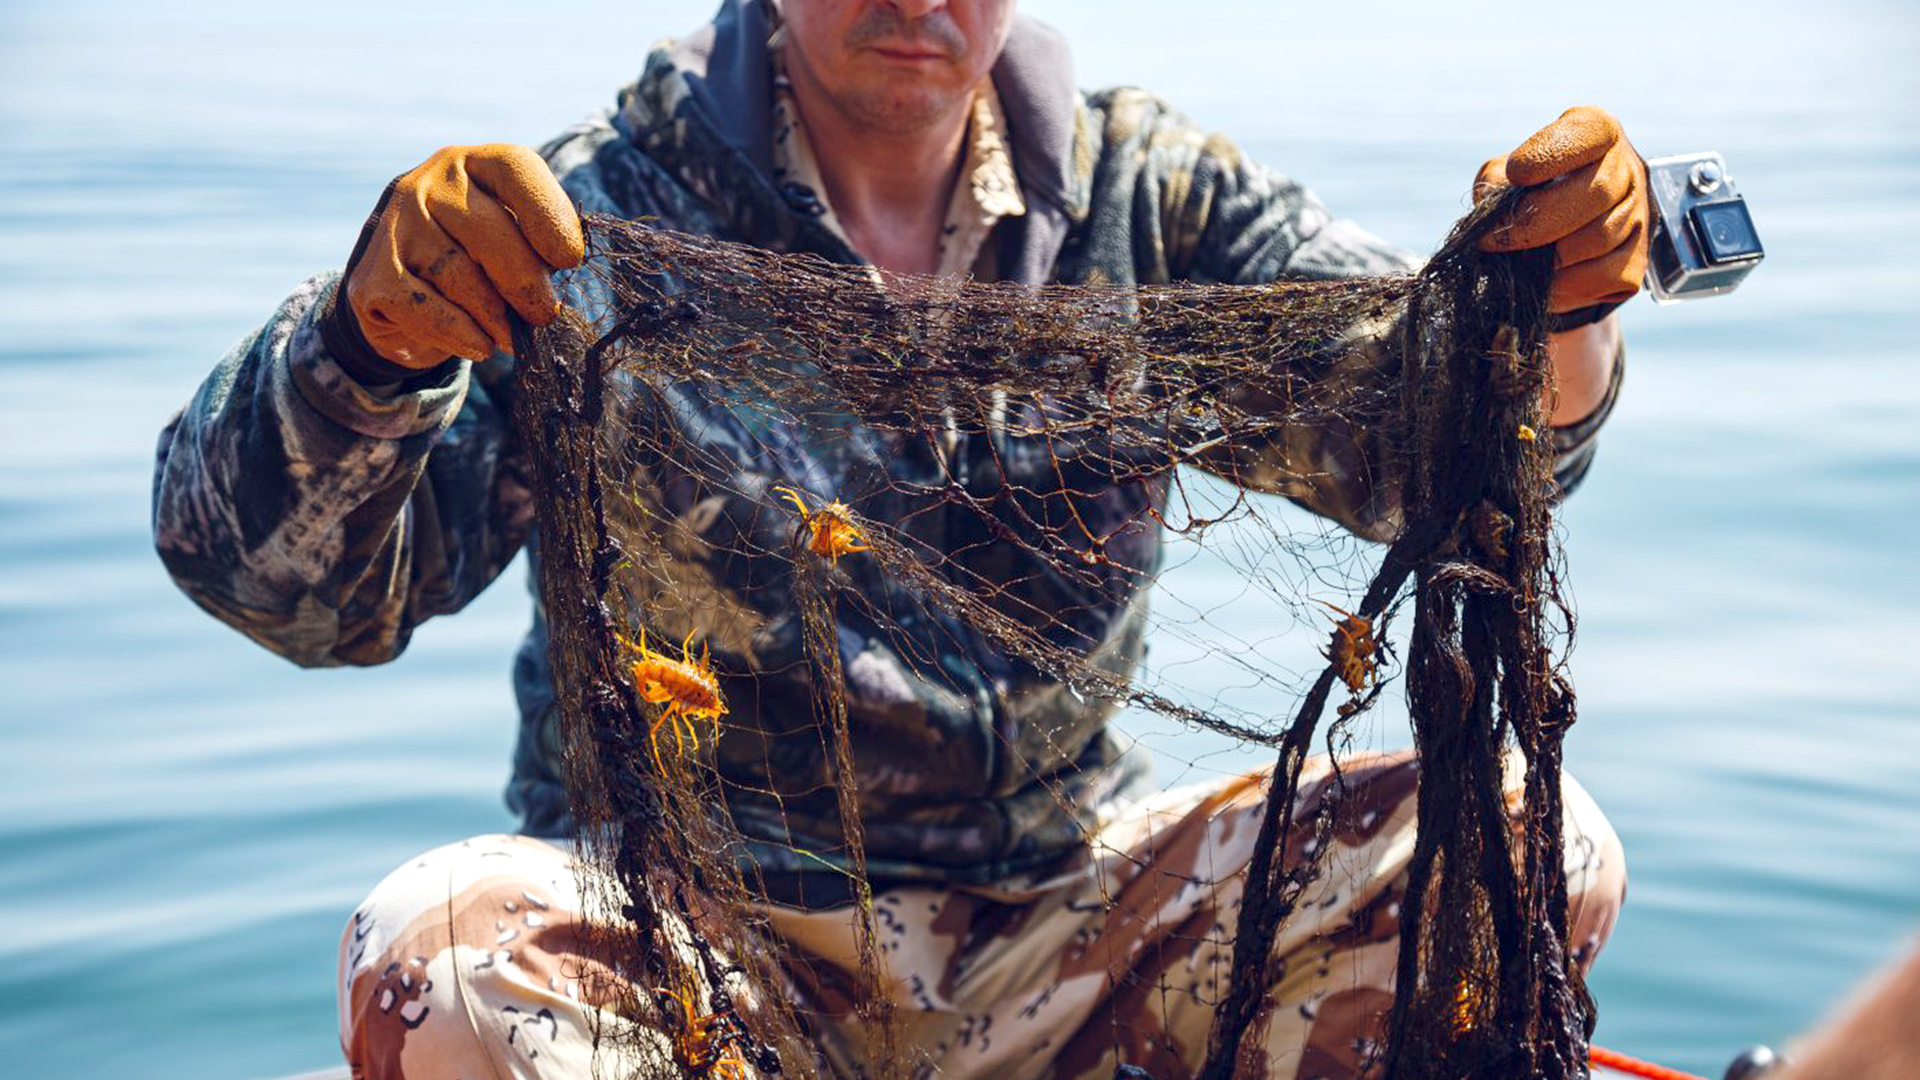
1579, 317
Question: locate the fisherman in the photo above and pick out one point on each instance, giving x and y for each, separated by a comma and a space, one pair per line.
350, 471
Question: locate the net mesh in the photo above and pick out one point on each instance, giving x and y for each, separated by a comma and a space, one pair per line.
673, 629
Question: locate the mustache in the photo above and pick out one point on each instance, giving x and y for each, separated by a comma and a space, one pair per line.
884, 22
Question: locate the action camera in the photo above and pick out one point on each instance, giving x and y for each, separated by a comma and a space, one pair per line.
1704, 242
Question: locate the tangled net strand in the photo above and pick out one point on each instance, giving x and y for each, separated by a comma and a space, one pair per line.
1145, 383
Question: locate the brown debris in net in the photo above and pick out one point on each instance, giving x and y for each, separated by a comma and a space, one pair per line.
1147, 381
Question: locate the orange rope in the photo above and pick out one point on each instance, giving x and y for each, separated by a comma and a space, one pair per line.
1619, 1062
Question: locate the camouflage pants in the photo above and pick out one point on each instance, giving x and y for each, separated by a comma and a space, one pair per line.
465, 963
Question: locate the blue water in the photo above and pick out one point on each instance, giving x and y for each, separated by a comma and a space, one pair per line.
185, 821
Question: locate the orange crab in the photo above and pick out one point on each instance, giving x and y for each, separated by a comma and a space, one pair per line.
707, 1044
833, 532
1353, 650
686, 687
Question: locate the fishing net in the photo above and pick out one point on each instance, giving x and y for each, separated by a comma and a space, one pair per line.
1054, 435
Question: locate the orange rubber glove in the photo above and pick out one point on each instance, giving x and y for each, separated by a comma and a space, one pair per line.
1589, 200
451, 244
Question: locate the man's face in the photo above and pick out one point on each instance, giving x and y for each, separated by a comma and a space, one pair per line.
896, 65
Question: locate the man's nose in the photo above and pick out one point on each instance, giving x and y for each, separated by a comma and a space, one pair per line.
916, 9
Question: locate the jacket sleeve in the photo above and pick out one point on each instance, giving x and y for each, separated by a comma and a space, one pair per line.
1221, 217
325, 518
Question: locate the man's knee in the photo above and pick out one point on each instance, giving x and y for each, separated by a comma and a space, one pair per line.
468, 961
1378, 807
1327, 1014
1595, 863
1596, 866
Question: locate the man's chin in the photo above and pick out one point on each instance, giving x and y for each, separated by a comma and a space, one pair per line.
901, 106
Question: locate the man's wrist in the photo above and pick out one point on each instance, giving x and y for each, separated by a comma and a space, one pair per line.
1572, 431
1583, 360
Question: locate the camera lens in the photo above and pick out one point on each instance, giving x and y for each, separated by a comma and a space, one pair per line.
1725, 230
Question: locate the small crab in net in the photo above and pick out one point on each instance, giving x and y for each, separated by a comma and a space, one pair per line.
706, 1044
686, 687
833, 532
1354, 651
1469, 1000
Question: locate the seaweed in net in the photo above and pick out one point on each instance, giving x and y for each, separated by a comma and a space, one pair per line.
1112, 389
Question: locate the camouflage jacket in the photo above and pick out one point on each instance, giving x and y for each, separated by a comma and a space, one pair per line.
326, 518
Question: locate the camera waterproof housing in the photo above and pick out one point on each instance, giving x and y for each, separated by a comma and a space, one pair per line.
1703, 241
